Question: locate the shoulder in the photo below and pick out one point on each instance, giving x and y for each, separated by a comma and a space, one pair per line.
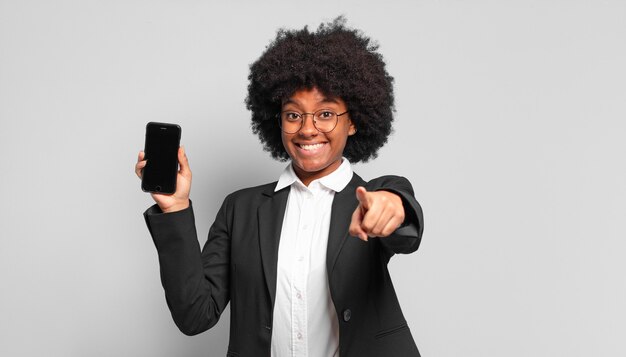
389, 182
251, 193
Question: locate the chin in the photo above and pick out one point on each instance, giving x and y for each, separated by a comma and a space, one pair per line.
311, 168
314, 166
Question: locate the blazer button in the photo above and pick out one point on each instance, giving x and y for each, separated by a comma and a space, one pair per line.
347, 314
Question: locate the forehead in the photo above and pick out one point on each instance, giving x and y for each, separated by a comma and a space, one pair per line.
313, 96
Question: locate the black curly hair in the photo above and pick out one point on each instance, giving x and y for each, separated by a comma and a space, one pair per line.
338, 61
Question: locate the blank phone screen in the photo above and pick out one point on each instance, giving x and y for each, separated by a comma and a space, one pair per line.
162, 142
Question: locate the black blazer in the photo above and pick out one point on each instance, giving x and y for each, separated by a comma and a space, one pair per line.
238, 264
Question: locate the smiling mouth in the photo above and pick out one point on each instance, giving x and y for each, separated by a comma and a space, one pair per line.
311, 147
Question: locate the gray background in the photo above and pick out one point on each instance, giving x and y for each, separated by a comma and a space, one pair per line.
510, 125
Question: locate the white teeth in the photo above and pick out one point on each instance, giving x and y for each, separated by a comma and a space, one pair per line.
311, 147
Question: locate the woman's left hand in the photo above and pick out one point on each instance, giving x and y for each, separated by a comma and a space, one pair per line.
379, 214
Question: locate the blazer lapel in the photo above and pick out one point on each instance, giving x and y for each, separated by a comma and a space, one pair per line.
343, 206
270, 219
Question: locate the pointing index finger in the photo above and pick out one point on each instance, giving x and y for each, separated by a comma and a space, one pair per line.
361, 195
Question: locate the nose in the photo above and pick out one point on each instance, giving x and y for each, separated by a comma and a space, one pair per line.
308, 127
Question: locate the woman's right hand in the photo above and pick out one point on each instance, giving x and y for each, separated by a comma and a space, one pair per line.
179, 200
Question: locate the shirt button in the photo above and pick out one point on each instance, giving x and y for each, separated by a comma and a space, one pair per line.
347, 314
305, 227
299, 336
299, 295
300, 258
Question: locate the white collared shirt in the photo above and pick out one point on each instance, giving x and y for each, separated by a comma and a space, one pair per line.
305, 322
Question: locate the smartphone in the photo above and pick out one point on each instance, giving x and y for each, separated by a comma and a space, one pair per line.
161, 148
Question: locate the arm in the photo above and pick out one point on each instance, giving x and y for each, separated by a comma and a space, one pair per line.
388, 209
196, 285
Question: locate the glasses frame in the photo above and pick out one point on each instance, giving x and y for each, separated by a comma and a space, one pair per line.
303, 118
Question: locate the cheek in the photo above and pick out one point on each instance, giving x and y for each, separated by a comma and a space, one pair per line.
286, 139
342, 139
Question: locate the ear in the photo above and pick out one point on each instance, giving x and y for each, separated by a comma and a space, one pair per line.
351, 129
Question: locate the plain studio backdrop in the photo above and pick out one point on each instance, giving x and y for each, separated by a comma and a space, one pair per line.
510, 124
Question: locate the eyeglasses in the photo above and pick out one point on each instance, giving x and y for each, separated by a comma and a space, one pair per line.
324, 120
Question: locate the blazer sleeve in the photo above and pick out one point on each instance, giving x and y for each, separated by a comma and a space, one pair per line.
407, 238
196, 284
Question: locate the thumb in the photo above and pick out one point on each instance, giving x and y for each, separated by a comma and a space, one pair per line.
184, 163
361, 195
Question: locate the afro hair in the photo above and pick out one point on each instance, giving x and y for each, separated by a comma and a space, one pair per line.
338, 61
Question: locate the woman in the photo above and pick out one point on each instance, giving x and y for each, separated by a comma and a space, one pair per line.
285, 254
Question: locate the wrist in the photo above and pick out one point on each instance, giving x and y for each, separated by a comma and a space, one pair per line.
179, 206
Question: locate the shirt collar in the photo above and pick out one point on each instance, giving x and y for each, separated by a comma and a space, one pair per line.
336, 180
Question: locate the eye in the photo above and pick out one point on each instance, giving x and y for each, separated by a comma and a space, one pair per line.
325, 114
291, 116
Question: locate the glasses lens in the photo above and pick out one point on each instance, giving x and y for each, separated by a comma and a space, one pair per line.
290, 122
325, 120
